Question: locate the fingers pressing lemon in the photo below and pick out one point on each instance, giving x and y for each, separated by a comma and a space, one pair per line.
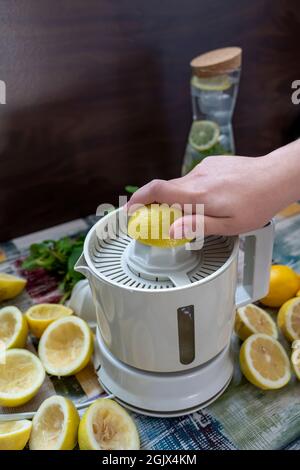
252, 319
264, 362
13, 328
151, 224
284, 284
107, 426
41, 315
55, 425
66, 346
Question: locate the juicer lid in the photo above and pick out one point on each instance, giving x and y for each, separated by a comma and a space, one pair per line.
119, 260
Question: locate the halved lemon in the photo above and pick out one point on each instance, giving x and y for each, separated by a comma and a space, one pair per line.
66, 346
217, 83
264, 362
151, 224
284, 284
14, 435
107, 426
288, 319
21, 376
295, 358
204, 135
252, 319
10, 286
13, 328
41, 315
55, 425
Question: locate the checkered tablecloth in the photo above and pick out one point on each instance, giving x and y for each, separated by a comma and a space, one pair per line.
243, 418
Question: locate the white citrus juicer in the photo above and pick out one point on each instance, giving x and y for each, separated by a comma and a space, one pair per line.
165, 315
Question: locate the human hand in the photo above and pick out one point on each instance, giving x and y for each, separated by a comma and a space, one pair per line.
239, 194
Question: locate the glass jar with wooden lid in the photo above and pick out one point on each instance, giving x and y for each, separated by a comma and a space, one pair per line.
214, 87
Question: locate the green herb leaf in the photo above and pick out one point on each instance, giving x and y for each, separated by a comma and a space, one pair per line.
131, 189
58, 257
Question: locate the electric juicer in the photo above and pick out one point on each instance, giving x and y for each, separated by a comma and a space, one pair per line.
165, 315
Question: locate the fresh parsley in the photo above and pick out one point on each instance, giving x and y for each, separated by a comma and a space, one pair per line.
58, 257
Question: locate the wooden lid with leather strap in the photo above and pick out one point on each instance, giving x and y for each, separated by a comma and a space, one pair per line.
217, 62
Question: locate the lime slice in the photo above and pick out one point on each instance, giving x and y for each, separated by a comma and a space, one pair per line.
218, 83
204, 135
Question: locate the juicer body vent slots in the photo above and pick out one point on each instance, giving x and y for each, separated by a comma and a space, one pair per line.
165, 316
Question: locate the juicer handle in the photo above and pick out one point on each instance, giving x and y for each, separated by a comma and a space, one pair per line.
257, 263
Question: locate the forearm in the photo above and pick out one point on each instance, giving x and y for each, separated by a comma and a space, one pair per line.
283, 173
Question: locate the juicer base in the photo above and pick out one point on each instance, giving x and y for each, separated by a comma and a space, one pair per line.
168, 414
163, 394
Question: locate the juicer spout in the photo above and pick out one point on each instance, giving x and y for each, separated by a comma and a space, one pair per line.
82, 267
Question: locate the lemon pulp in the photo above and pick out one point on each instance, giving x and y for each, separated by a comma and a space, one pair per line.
21, 375
264, 362
107, 426
13, 328
66, 346
55, 425
252, 319
14, 434
41, 315
295, 359
288, 319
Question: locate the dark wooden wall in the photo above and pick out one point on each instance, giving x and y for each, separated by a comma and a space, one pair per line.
98, 94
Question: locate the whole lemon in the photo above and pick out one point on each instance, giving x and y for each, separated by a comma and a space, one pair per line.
284, 284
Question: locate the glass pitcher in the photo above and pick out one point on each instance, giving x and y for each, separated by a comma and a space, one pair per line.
214, 87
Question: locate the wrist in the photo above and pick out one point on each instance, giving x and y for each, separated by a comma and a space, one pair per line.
282, 167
